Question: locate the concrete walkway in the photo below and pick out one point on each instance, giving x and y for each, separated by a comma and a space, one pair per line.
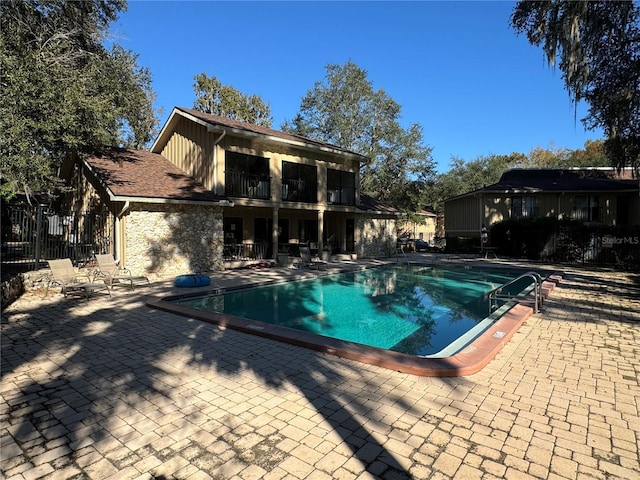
110, 389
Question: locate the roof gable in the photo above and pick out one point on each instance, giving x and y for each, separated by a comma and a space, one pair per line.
244, 129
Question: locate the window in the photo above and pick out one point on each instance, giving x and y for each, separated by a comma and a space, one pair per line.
299, 182
523, 207
341, 187
247, 176
587, 208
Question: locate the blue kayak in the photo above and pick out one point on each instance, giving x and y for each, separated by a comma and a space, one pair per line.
192, 280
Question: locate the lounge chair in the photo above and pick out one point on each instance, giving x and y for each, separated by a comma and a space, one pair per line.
114, 274
72, 281
307, 261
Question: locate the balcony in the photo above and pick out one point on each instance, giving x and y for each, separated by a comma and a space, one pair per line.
529, 212
341, 195
587, 214
299, 191
247, 185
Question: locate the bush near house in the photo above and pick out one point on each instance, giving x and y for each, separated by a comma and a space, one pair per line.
523, 237
567, 241
462, 245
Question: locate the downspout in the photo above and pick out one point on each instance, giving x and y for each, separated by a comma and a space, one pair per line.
558, 218
117, 248
482, 219
215, 158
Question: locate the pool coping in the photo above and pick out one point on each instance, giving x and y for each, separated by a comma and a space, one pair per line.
470, 359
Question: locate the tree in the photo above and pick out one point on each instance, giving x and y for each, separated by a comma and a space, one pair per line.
596, 46
63, 92
593, 155
465, 177
345, 110
224, 100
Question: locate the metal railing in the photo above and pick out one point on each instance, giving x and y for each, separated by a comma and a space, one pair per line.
339, 195
247, 251
499, 294
239, 184
295, 190
401, 253
587, 214
31, 235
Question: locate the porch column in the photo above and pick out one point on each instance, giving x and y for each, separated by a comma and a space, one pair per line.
320, 230
274, 234
118, 243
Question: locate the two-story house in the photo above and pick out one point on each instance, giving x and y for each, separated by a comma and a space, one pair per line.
215, 193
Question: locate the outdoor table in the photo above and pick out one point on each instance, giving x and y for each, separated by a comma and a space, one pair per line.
486, 251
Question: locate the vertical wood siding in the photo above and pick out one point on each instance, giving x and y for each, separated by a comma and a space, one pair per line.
190, 148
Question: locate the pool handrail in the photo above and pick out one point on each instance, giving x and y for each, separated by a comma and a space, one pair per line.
400, 251
496, 293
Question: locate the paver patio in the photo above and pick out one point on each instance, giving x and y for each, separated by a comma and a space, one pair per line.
111, 389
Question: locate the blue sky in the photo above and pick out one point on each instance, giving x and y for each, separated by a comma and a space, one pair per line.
456, 67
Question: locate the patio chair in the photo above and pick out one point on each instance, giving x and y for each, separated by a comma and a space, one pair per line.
114, 274
72, 281
308, 261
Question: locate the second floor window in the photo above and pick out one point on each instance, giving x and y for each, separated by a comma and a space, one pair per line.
246, 176
523, 207
299, 182
341, 187
587, 208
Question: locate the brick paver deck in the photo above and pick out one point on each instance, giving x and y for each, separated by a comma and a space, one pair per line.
111, 389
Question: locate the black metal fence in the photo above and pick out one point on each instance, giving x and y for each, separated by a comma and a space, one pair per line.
566, 241
616, 248
31, 235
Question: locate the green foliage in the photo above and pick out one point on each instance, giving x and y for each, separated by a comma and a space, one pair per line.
593, 155
224, 100
345, 110
464, 177
63, 92
562, 241
595, 45
523, 237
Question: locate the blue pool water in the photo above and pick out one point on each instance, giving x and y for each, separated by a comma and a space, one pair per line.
416, 310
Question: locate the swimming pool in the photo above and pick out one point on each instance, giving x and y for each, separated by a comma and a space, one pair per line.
417, 312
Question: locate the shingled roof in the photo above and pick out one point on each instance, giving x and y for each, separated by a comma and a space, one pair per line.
370, 204
533, 180
565, 179
147, 177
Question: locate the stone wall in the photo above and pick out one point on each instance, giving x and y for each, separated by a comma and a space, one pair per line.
12, 289
32, 281
170, 239
377, 237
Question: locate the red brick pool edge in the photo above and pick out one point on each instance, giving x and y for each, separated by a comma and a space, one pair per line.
469, 360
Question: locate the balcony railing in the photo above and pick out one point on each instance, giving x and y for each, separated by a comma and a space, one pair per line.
247, 185
341, 195
299, 191
247, 251
587, 214
259, 186
530, 212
